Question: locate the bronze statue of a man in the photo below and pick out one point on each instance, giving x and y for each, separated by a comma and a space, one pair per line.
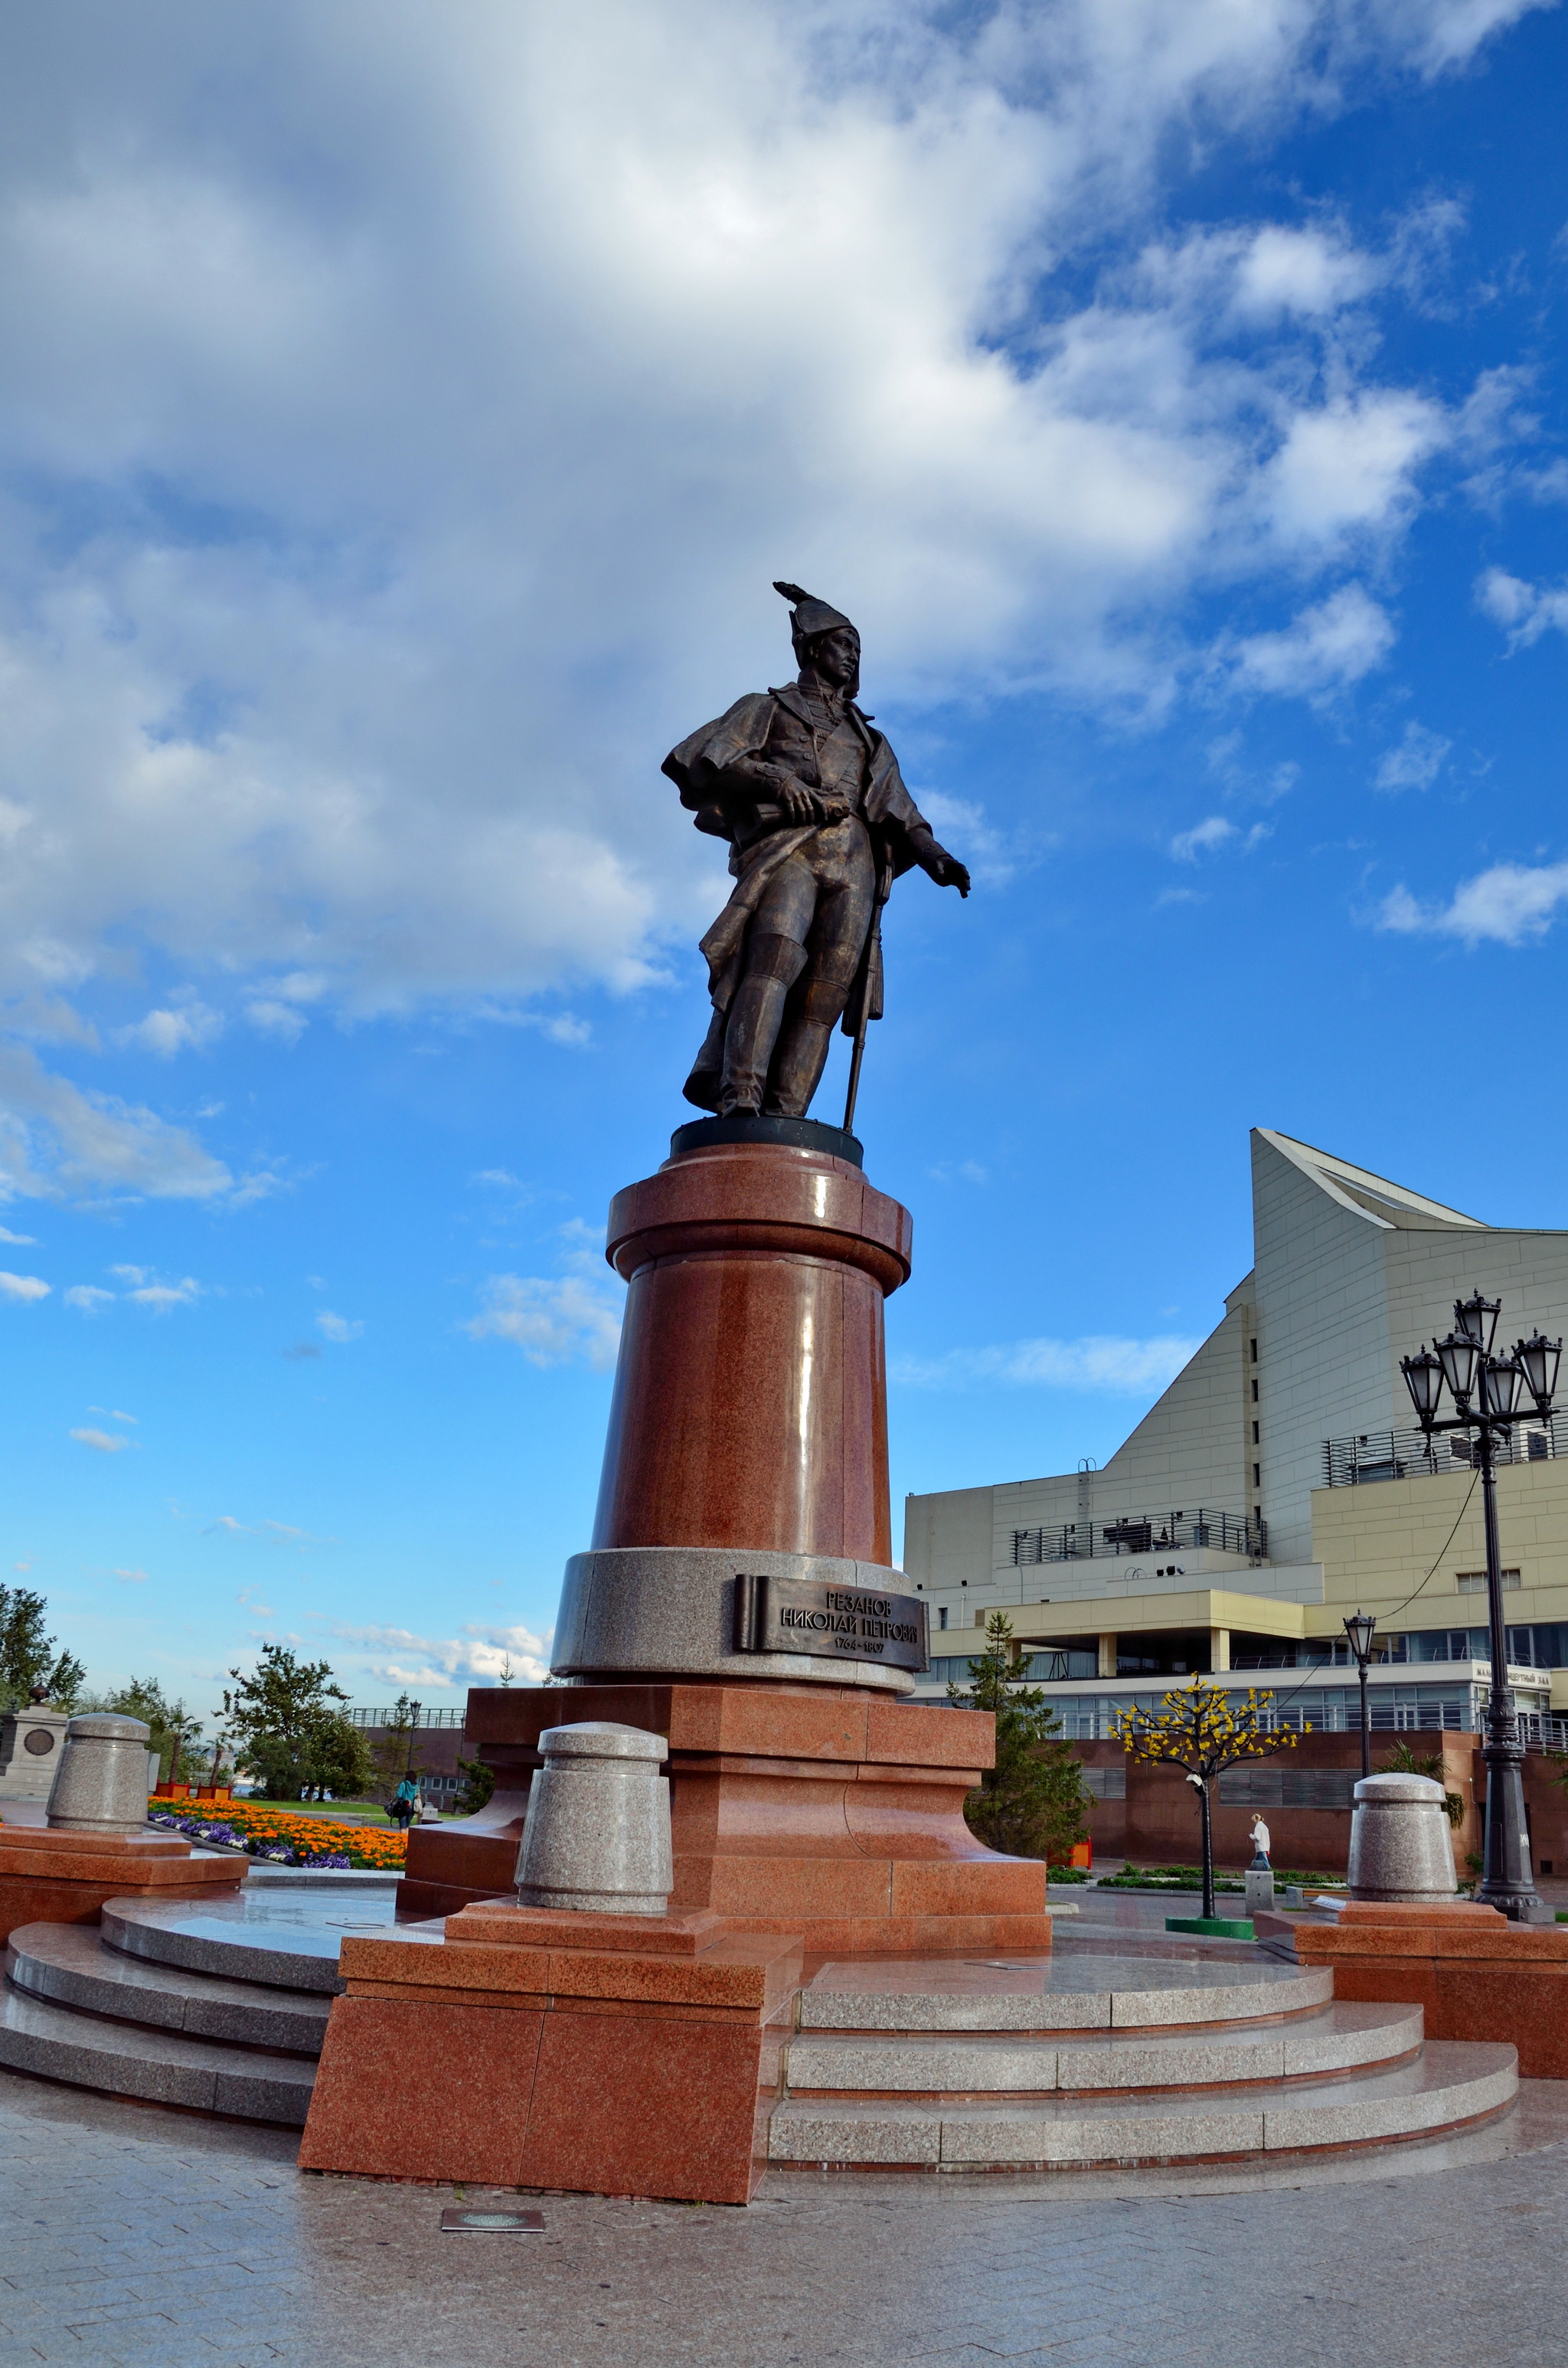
820, 825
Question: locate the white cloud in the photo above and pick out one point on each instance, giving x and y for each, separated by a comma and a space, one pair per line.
1416, 762
426, 397
280, 1019
963, 829
338, 1327
1207, 837
1128, 1368
88, 1298
188, 1027
22, 1286
105, 1443
1524, 611
568, 1320
18, 1240
145, 1291
1202, 838
55, 1140
132, 1577
1326, 648
477, 1656
1511, 905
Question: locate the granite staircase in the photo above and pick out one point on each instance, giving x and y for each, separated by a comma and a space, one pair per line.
1081, 2062
127, 2011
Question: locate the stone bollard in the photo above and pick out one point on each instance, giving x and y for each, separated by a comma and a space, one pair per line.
598, 1834
100, 1785
1400, 1848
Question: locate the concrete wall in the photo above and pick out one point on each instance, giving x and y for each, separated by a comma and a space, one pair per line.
1321, 1293
1376, 1545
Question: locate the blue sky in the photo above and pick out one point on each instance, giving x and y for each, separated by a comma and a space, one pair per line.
404, 415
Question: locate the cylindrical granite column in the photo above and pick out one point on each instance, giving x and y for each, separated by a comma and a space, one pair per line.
749, 1430
750, 1402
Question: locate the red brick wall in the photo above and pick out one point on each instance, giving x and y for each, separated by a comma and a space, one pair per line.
1159, 1820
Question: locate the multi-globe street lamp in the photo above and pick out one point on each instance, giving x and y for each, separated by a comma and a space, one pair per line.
1486, 1391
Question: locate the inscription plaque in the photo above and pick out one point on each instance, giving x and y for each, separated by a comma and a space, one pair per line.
833, 1622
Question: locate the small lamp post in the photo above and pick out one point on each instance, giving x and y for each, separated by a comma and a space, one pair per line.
1358, 1628
1486, 1391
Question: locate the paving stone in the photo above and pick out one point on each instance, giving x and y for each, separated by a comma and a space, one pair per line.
133, 2236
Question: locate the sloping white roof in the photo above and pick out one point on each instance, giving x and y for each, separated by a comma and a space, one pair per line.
1394, 1205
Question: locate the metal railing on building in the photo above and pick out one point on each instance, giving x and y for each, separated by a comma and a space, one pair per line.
1368, 1455
1144, 1533
393, 1716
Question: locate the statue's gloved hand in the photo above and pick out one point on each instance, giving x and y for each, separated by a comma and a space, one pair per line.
934, 859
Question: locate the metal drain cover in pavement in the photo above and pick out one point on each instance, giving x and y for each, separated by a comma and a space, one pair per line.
492, 2224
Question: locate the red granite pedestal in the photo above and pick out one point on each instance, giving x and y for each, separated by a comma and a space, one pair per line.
48, 1876
828, 1813
1473, 1974
814, 1810
615, 2055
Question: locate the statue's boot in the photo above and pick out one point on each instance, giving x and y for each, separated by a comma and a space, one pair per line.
797, 1071
773, 965
802, 1056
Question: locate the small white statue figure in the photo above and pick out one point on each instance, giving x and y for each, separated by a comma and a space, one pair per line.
1260, 1841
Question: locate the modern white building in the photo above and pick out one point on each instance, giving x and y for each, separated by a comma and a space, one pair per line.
1280, 1483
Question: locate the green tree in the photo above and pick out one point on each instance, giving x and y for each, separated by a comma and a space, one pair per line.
284, 1721
1031, 1803
1403, 1761
479, 1782
28, 1658
171, 1726
397, 1751
1196, 1729
340, 1762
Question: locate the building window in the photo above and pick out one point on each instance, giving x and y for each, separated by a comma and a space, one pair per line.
1474, 1582
1255, 1390
1257, 1475
1255, 1352
942, 1615
1254, 1434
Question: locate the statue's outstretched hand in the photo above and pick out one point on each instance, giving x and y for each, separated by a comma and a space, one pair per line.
944, 869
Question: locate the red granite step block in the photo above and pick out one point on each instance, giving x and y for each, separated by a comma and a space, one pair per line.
649, 2108
48, 1876
423, 2089
1474, 1974
678, 1934
622, 2075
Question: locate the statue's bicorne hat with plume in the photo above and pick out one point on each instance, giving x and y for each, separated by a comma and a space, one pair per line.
810, 616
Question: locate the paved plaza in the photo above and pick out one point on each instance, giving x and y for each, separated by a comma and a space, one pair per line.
132, 2234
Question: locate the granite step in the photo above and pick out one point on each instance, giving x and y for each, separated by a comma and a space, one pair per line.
1449, 2085
1071, 1991
1334, 2038
69, 1965
120, 2059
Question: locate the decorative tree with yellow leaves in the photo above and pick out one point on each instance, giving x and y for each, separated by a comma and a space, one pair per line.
1196, 1729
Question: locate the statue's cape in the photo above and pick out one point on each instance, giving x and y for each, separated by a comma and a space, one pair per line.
696, 767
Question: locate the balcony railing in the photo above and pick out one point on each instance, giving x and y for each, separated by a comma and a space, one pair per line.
1144, 1533
1410, 1455
395, 1717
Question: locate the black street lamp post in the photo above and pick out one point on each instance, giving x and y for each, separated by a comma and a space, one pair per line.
1486, 1391
1358, 1628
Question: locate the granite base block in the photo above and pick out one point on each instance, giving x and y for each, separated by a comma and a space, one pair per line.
51, 1877
516, 2062
826, 1811
1475, 1975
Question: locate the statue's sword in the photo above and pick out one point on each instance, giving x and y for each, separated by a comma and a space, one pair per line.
862, 1019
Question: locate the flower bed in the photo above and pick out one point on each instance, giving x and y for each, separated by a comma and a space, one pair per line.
286, 1838
1191, 1878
